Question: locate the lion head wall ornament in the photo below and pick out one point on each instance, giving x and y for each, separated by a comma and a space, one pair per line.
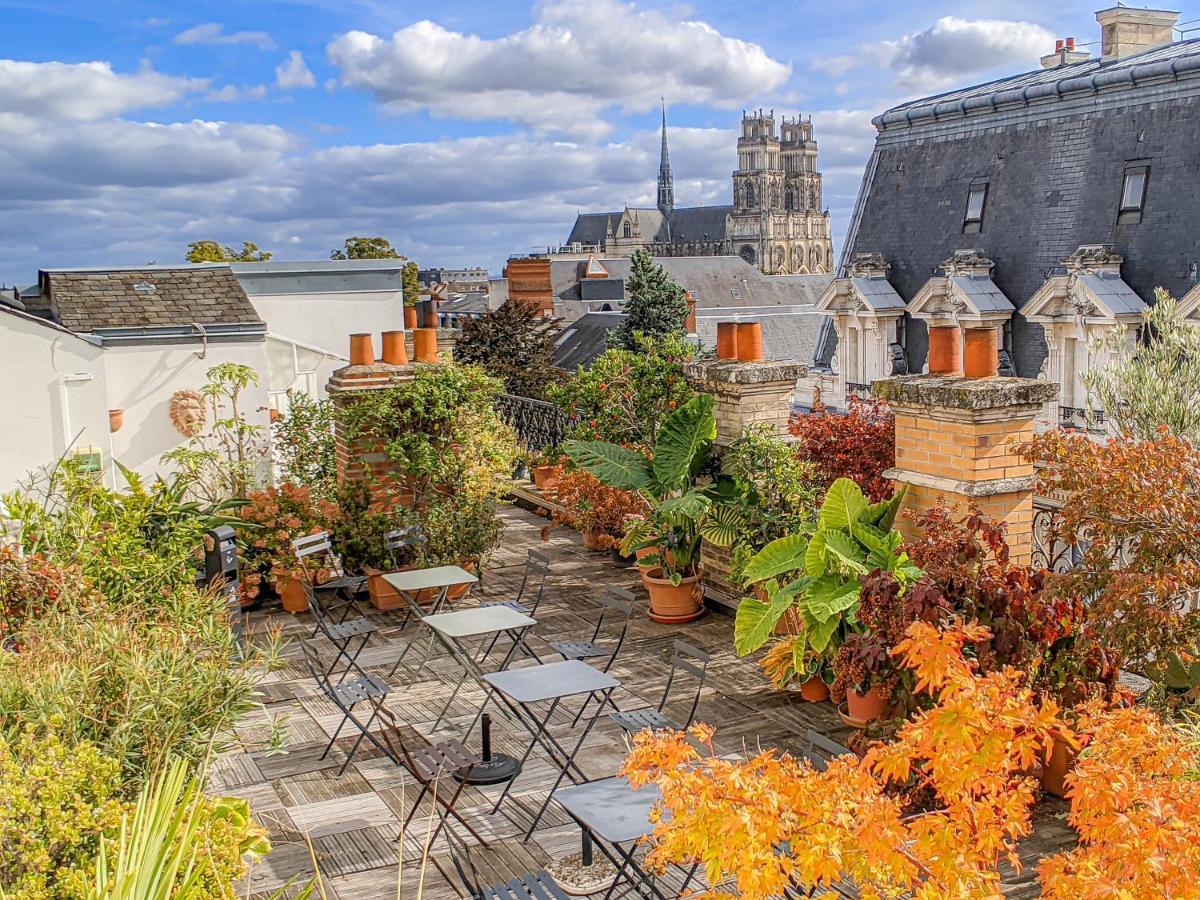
188, 413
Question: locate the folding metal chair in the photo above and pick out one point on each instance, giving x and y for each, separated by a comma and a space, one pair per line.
686, 658
480, 886
615, 604
349, 636
533, 585
403, 539
346, 695
343, 587
431, 765
820, 750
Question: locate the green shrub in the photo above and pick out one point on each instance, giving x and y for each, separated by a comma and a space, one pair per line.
304, 445
57, 801
140, 688
623, 397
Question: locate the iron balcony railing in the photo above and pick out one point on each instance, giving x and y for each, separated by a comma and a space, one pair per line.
538, 423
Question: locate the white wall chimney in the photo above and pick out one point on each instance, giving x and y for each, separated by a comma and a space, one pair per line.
1125, 31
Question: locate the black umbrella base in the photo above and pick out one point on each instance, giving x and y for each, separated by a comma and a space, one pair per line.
497, 770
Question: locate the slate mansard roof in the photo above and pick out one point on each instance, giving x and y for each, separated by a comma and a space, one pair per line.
151, 297
1052, 147
689, 223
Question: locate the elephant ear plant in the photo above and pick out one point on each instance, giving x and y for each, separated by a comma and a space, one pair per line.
819, 576
678, 505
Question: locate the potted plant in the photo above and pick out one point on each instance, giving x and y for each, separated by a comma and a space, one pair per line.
820, 577
546, 467
358, 538
281, 515
789, 663
459, 530
677, 503
598, 511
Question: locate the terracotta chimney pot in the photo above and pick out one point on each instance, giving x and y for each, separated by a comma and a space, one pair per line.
362, 353
689, 322
425, 345
749, 341
945, 350
727, 340
393, 348
981, 353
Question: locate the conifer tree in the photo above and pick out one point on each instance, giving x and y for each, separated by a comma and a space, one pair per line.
656, 308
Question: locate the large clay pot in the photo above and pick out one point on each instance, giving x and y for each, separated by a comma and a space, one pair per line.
546, 477
382, 594
865, 707
458, 591
673, 603
1055, 765
815, 690
291, 594
591, 539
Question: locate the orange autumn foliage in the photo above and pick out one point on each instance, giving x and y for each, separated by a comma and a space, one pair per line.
1135, 801
772, 821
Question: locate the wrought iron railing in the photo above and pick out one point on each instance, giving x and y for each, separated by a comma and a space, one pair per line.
1079, 415
538, 423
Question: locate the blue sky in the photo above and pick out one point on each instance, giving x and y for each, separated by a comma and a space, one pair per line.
464, 132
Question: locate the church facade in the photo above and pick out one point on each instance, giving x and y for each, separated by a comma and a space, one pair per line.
776, 221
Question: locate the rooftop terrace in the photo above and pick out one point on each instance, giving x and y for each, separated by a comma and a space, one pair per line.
352, 822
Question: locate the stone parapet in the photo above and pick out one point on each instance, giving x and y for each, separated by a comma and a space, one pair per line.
955, 442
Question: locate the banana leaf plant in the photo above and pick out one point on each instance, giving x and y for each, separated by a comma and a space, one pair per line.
819, 576
679, 506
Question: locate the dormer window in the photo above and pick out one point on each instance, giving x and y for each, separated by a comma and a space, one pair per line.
976, 201
1133, 193
627, 230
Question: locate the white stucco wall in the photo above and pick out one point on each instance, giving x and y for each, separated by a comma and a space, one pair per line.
141, 381
53, 392
326, 320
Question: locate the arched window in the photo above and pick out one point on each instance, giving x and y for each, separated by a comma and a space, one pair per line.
789, 199
627, 229
814, 257
751, 199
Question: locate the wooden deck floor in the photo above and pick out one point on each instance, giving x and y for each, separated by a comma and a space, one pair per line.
348, 827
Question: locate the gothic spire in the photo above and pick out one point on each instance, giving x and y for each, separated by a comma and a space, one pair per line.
666, 184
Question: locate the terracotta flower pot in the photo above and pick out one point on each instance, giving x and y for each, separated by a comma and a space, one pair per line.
1055, 765
639, 555
458, 591
546, 477
673, 603
410, 318
382, 594
291, 594
866, 707
116, 418
591, 539
815, 690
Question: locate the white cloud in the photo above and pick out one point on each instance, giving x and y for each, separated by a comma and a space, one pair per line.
83, 91
231, 93
578, 59
293, 72
953, 49
214, 33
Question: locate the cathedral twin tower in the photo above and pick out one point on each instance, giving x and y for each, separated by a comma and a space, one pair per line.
776, 221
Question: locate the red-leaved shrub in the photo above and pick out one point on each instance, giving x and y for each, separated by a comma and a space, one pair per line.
860, 445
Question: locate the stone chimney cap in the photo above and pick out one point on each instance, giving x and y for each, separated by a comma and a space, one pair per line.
1094, 258
967, 262
870, 264
1125, 31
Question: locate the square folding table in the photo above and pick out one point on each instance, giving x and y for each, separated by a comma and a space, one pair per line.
409, 583
522, 689
451, 629
616, 813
